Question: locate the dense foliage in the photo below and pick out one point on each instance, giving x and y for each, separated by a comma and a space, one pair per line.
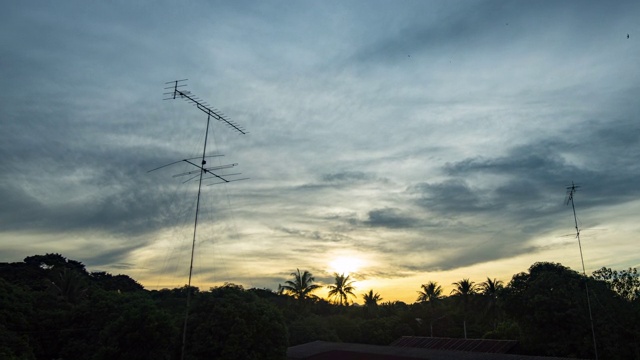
53, 308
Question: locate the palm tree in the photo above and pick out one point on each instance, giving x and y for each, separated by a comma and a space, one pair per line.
371, 299
491, 289
341, 290
464, 289
300, 287
69, 285
431, 294
371, 302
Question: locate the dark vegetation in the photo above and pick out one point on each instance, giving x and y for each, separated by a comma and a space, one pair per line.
53, 308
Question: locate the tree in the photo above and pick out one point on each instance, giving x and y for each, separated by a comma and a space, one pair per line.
230, 323
119, 283
371, 302
626, 283
311, 328
140, 330
16, 312
69, 285
431, 294
491, 289
54, 261
550, 305
341, 289
464, 290
301, 286
371, 299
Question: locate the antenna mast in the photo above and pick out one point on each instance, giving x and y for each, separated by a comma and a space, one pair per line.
200, 171
571, 190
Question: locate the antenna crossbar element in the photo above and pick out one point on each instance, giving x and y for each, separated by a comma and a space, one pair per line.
179, 161
225, 178
206, 170
201, 105
571, 190
226, 181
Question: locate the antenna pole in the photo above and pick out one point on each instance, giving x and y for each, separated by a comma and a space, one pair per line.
193, 243
572, 190
176, 92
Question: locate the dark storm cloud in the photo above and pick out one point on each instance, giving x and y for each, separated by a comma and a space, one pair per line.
600, 155
465, 246
390, 218
539, 160
126, 211
478, 253
75, 157
451, 196
522, 192
607, 154
101, 188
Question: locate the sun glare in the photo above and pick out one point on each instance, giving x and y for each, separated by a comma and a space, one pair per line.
345, 265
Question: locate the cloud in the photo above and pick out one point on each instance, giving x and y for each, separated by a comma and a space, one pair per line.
389, 218
313, 235
495, 25
451, 196
346, 176
428, 137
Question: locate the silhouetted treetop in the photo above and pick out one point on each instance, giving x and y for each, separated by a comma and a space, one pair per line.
54, 261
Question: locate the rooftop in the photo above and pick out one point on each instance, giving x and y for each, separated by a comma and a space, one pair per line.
323, 350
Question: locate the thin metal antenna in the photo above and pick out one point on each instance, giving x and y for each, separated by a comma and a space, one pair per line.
201, 105
175, 162
199, 173
571, 190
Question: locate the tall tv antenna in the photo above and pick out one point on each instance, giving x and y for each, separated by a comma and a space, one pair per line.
177, 93
571, 191
199, 171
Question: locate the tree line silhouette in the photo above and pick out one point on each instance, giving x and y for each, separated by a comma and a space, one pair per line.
51, 307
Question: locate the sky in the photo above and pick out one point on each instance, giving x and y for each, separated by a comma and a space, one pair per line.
400, 142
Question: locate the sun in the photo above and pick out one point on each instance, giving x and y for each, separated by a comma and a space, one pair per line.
345, 265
